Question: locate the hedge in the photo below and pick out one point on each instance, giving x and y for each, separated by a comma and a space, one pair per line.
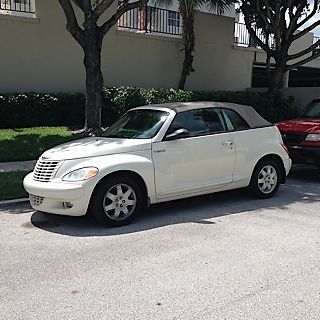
33, 109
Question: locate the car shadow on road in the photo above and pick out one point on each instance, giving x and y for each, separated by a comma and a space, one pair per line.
301, 173
302, 187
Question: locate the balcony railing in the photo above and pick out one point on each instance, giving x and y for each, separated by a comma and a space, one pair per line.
243, 38
315, 39
152, 19
317, 48
22, 6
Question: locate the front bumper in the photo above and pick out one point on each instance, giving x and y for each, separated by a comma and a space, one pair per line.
59, 197
307, 155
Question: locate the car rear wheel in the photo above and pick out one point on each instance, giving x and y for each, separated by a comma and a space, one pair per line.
265, 179
117, 201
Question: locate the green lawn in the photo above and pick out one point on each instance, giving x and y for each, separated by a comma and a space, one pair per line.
11, 185
29, 143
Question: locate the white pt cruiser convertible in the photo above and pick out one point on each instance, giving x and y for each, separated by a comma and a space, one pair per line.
159, 153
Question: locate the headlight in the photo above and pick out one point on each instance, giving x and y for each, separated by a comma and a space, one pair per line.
313, 137
81, 174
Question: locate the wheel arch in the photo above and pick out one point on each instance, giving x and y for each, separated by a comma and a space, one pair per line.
276, 158
130, 173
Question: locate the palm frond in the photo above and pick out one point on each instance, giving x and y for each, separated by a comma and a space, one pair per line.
220, 6
166, 3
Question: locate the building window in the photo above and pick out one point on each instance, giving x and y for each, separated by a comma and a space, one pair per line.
173, 19
304, 77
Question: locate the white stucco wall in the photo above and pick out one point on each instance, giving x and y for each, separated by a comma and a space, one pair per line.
40, 55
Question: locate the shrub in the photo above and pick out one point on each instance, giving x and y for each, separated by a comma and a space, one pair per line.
33, 109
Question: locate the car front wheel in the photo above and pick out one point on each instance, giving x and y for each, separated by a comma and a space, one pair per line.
265, 179
117, 201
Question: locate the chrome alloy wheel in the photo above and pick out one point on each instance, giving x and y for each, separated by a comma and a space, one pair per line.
119, 202
267, 179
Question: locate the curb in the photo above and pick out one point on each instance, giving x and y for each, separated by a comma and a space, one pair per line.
10, 166
7, 203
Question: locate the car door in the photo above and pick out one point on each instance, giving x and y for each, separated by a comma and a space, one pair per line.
202, 161
246, 140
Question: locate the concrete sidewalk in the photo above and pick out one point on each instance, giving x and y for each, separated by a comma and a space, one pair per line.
17, 166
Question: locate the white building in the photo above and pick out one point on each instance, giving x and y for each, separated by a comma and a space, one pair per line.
144, 50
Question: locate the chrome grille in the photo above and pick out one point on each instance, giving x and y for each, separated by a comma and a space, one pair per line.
45, 169
35, 200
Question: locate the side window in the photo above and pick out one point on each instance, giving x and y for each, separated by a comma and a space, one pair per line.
234, 120
199, 122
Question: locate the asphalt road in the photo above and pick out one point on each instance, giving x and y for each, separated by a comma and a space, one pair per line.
223, 256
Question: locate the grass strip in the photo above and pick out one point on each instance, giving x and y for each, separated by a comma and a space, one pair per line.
30, 143
11, 185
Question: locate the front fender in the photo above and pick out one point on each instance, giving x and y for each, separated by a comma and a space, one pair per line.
139, 163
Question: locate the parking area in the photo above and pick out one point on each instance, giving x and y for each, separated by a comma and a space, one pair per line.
222, 256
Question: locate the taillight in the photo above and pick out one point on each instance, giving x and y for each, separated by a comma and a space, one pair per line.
285, 148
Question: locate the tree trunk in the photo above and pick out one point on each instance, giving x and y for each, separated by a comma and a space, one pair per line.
189, 44
276, 79
94, 84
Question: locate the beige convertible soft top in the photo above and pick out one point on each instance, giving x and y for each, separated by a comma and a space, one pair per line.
248, 113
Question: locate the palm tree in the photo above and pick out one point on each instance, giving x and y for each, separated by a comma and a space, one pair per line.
187, 10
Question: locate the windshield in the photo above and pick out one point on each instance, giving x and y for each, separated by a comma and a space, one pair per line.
312, 110
137, 124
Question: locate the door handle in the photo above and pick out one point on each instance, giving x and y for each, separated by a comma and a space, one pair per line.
227, 143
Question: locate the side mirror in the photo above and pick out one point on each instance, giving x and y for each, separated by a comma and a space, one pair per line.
178, 134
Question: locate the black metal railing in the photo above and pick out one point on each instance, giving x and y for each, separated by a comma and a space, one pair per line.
242, 36
25, 6
317, 48
152, 19
316, 39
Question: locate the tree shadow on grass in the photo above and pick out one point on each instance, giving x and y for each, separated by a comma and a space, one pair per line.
204, 210
31, 146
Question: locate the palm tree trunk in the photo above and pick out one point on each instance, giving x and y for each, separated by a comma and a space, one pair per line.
189, 44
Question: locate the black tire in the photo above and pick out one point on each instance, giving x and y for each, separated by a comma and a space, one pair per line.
262, 186
108, 188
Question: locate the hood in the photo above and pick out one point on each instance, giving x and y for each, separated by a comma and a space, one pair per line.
96, 146
309, 125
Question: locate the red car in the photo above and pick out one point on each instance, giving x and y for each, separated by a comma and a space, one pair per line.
302, 135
